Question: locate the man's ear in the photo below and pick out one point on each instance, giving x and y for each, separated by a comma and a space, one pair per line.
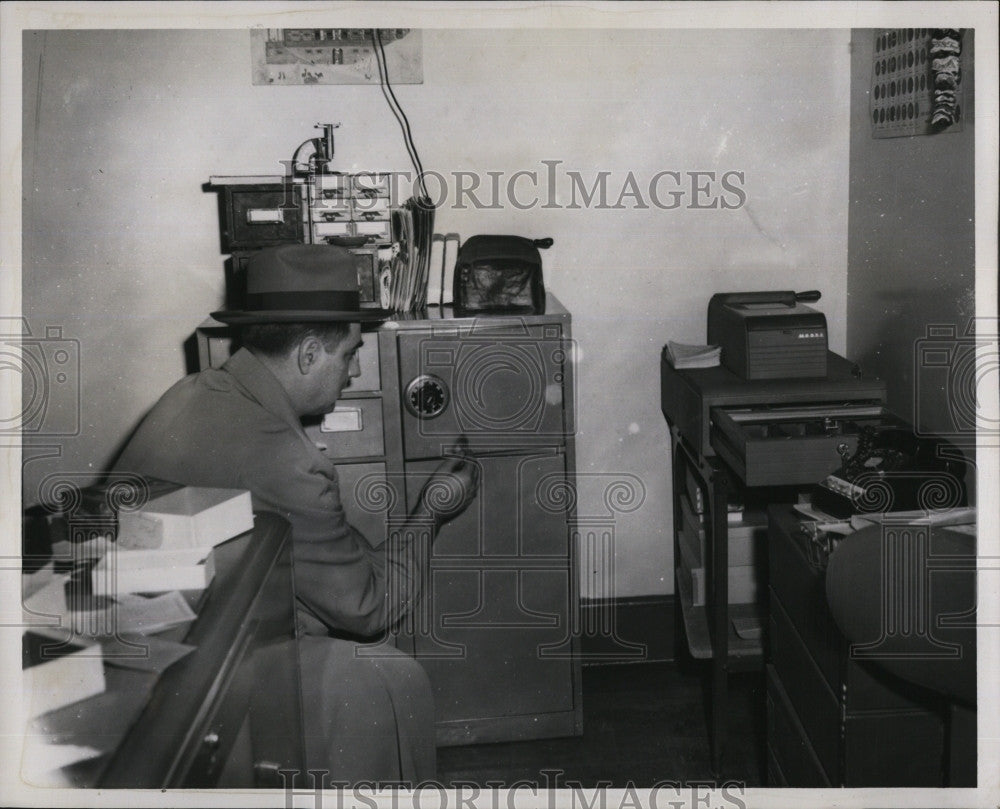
309, 353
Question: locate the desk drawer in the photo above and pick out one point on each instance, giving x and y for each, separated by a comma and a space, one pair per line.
195, 715
216, 738
352, 430
893, 750
791, 446
792, 761
856, 748
809, 696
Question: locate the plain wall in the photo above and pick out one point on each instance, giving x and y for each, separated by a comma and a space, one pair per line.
121, 244
911, 251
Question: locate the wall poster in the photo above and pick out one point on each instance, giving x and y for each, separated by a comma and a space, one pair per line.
916, 85
334, 55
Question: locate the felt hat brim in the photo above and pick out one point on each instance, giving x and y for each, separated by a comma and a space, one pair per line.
247, 318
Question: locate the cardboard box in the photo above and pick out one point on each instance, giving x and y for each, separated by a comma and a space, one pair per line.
191, 517
152, 571
54, 673
743, 581
743, 587
746, 538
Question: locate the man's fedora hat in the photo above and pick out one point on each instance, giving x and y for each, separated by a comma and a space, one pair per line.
301, 283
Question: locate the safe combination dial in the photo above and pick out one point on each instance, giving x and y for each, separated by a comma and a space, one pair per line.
426, 396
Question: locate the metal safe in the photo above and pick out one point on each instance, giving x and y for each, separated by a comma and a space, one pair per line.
497, 627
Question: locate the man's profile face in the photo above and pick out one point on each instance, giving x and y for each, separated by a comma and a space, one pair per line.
335, 369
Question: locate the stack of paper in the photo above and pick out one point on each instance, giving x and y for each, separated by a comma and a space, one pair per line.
682, 355
405, 283
47, 611
55, 673
125, 571
167, 544
191, 517
745, 543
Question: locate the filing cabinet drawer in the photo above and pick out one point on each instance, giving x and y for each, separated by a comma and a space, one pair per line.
855, 748
214, 345
353, 429
368, 359
503, 383
260, 215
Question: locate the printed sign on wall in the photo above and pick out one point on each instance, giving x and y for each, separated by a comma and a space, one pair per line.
335, 55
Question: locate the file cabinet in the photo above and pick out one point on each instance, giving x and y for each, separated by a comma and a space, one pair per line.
497, 629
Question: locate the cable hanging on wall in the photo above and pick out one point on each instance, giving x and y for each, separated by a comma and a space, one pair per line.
397, 111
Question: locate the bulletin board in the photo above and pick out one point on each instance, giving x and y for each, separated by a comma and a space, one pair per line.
916, 84
283, 56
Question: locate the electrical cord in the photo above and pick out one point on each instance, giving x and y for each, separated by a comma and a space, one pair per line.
394, 104
397, 111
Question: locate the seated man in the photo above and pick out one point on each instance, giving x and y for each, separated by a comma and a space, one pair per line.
366, 717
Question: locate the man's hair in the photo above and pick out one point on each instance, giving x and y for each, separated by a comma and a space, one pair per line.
278, 339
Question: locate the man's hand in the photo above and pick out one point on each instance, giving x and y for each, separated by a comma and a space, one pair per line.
451, 487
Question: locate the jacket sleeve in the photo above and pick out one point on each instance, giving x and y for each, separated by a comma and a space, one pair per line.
207, 431
340, 579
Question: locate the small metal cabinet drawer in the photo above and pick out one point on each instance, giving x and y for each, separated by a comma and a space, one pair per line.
791, 446
260, 215
353, 429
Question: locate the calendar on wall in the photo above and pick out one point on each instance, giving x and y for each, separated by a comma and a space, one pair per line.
916, 82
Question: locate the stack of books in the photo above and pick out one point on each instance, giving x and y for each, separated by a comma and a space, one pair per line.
682, 355
167, 544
